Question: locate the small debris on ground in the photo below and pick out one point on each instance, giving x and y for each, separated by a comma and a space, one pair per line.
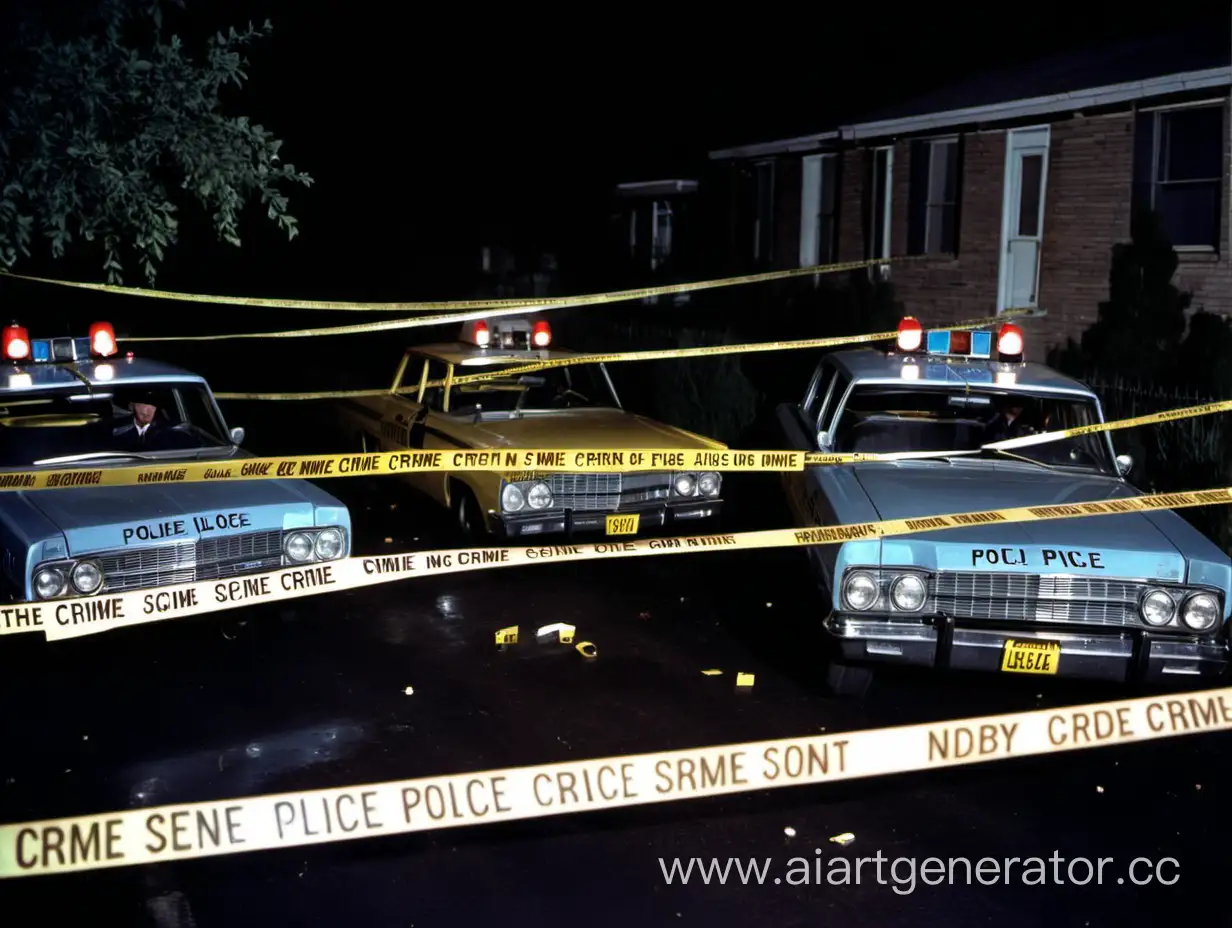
789, 831
844, 839
744, 679
507, 635
643, 616
1099, 789
712, 672
587, 649
409, 691
563, 631
389, 541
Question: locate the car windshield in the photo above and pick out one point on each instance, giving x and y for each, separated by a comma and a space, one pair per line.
890, 419
165, 420
581, 386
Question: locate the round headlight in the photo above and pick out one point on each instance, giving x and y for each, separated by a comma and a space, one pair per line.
48, 582
1201, 612
908, 593
539, 496
511, 498
299, 546
87, 577
708, 484
860, 591
685, 484
1157, 608
329, 544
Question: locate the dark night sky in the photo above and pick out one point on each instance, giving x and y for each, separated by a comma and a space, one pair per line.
429, 129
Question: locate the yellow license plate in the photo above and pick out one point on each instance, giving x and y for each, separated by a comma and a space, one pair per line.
623, 524
1031, 656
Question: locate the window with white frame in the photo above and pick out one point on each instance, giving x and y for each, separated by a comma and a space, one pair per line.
819, 210
1186, 181
763, 211
934, 197
879, 204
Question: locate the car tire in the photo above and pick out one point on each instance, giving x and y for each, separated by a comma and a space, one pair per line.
848, 680
468, 517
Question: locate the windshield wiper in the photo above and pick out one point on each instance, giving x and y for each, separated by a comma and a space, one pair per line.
95, 456
1019, 457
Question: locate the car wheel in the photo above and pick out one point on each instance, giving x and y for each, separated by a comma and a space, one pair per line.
469, 517
848, 680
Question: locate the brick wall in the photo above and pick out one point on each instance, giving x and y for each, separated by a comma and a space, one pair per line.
851, 212
1086, 212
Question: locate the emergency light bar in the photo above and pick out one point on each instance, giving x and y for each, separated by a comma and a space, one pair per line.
16, 345
508, 334
960, 343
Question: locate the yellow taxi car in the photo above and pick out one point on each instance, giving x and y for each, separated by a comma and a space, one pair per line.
572, 406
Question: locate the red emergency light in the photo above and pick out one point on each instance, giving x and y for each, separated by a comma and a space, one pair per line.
541, 334
910, 334
1010, 341
16, 343
102, 340
483, 334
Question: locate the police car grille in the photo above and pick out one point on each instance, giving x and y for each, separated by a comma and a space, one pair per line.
185, 562
589, 492
1033, 598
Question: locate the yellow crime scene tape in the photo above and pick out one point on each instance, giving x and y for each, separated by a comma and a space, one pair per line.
528, 461
90, 615
520, 304
152, 835
663, 354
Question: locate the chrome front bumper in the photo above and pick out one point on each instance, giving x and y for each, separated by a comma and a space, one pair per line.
1120, 655
654, 514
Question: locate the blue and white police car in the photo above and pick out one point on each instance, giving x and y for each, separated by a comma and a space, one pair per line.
73, 403
1126, 597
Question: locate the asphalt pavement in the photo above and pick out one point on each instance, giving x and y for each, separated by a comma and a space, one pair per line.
404, 680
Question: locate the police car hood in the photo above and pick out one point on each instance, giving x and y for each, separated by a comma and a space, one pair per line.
111, 518
1153, 544
585, 428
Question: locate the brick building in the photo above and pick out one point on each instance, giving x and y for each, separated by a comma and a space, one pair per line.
1017, 185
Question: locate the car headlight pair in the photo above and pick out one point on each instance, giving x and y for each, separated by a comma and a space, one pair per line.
706, 484
518, 496
1198, 611
67, 578
864, 589
306, 545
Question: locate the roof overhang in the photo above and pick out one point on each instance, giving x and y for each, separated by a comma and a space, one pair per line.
1091, 98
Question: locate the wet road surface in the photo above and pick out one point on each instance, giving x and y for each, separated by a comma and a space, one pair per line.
314, 694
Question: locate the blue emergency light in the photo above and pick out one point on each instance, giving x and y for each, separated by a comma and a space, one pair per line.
959, 344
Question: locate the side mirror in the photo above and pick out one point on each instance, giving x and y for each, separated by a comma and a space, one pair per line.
823, 440
237, 435
1124, 464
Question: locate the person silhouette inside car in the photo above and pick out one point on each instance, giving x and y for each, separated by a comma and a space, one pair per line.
148, 429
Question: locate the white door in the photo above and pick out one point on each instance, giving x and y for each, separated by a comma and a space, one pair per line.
1022, 216
810, 212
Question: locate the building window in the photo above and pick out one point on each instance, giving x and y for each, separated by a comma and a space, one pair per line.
1186, 189
933, 197
763, 211
880, 187
818, 210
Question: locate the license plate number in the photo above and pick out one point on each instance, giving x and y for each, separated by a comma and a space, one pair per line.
623, 524
1031, 656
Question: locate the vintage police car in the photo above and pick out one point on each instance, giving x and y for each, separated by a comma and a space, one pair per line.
1119, 597
573, 406
73, 402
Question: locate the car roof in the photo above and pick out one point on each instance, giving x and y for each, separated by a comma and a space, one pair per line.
464, 355
99, 373
868, 365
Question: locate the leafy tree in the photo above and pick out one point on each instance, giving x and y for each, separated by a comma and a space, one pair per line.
110, 129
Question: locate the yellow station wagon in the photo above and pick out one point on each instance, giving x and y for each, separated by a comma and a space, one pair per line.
573, 406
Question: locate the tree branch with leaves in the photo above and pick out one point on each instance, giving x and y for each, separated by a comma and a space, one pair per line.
109, 131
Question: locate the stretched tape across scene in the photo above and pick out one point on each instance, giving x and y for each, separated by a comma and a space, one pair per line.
573, 360
521, 304
91, 615
524, 463
136, 837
